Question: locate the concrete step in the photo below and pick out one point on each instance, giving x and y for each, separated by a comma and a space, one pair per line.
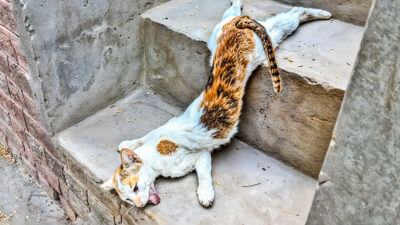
281, 195
294, 126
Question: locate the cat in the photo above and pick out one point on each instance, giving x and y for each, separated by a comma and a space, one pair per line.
238, 45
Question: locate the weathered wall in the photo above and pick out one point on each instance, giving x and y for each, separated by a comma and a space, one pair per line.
82, 54
352, 11
359, 182
20, 129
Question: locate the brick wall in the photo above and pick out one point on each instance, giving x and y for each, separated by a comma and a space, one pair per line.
20, 129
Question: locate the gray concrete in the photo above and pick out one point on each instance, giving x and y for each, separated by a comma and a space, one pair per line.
353, 11
283, 196
27, 203
82, 55
294, 126
359, 182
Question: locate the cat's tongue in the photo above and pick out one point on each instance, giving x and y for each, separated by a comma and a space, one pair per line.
154, 198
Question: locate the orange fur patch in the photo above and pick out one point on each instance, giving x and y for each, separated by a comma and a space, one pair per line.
118, 170
126, 178
130, 180
166, 147
222, 98
138, 202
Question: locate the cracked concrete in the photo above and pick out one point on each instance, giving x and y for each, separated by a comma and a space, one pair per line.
22, 201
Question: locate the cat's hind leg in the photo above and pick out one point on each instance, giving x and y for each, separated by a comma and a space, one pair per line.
282, 25
205, 191
233, 11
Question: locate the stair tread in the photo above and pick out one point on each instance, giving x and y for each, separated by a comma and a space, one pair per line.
283, 196
322, 51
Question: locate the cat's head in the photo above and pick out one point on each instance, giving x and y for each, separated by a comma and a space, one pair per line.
133, 182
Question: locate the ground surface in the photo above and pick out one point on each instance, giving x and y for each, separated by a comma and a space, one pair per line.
22, 201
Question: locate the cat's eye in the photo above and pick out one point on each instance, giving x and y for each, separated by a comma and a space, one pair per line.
135, 189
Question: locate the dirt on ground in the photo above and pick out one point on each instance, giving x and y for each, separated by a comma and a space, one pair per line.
22, 201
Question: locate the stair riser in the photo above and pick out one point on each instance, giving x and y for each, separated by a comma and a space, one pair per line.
176, 66
295, 125
354, 11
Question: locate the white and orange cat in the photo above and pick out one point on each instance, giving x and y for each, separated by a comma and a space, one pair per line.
185, 143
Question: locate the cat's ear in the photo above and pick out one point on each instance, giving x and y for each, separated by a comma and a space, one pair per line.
108, 185
128, 158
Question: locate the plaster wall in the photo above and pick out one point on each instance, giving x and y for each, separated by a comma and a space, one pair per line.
359, 181
82, 54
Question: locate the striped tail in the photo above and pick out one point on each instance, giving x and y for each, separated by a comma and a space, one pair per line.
247, 22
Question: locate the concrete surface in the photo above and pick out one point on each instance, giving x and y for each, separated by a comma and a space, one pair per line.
353, 11
359, 182
281, 195
294, 126
78, 51
23, 202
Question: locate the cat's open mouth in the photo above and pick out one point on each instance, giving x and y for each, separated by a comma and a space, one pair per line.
154, 198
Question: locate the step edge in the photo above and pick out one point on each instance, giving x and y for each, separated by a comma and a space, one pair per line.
309, 78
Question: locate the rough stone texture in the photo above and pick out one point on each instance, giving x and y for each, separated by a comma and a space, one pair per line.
81, 208
295, 125
25, 200
91, 183
282, 197
67, 209
6, 17
82, 54
354, 11
76, 187
359, 182
102, 212
47, 188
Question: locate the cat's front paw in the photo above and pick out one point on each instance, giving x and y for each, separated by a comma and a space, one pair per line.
129, 145
206, 196
124, 144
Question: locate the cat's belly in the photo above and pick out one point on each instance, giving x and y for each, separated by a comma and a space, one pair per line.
178, 164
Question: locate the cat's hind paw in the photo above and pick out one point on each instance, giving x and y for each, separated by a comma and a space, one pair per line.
238, 2
206, 196
321, 14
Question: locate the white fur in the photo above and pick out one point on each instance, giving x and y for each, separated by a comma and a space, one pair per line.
195, 142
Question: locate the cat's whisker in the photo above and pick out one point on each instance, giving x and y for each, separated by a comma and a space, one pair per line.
129, 210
